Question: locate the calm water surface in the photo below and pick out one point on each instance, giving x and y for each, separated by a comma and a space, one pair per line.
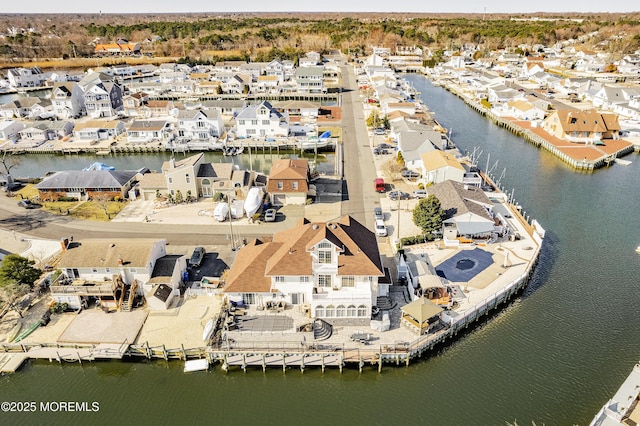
553, 356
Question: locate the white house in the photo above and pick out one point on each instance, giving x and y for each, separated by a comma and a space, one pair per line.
110, 270
102, 96
330, 268
67, 99
144, 131
25, 77
261, 120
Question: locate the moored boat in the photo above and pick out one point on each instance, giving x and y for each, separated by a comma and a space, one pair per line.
208, 329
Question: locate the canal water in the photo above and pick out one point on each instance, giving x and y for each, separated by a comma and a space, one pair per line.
553, 356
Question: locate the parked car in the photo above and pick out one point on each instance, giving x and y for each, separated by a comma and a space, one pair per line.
381, 229
380, 151
197, 257
377, 213
384, 146
410, 174
270, 215
27, 204
398, 195
420, 193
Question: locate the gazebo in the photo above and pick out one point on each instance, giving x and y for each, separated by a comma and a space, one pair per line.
419, 315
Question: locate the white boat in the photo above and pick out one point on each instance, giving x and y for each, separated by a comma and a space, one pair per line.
196, 365
314, 142
208, 329
638, 249
253, 201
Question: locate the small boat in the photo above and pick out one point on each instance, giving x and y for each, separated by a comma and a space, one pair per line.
196, 365
638, 249
208, 329
28, 331
253, 201
14, 332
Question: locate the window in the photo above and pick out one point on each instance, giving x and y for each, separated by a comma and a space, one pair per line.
279, 279
330, 312
351, 311
94, 270
324, 256
170, 180
249, 298
340, 311
107, 270
348, 282
324, 280
362, 311
324, 245
133, 270
254, 122
187, 178
280, 185
265, 122
294, 184
304, 279
319, 311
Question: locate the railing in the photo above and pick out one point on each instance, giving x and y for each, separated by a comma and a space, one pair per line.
83, 290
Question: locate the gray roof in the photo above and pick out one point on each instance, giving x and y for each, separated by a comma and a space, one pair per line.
165, 266
455, 200
250, 112
88, 179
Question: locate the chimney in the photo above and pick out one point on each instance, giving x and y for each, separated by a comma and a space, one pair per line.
120, 262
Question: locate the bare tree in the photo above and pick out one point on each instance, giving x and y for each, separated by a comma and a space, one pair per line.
103, 200
9, 161
11, 293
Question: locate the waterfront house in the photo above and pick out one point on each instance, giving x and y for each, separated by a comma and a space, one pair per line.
10, 129
84, 184
98, 130
310, 79
36, 134
438, 166
102, 96
24, 107
225, 107
522, 110
133, 103
330, 268
288, 182
261, 120
199, 125
145, 131
588, 126
275, 68
25, 77
68, 100
110, 271
468, 212
608, 97
157, 108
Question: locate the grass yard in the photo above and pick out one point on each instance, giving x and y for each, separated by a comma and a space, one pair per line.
88, 210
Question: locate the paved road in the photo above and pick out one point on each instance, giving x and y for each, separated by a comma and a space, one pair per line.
359, 168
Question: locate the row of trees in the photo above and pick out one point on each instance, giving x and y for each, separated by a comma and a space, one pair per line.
194, 35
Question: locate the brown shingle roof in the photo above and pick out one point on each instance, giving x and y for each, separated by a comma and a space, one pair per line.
247, 273
104, 253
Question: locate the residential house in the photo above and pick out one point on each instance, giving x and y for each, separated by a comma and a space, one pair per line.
468, 212
225, 107
310, 79
85, 184
68, 100
98, 129
261, 120
201, 125
25, 77
111, 272
10, 129
330, 268
288, 182
608, 97
310, 59
102, 96
133, 104
117, 49
588, 126
36, 134
438, 166
275, 68
25, 107
145, 131
157, 108
523, 110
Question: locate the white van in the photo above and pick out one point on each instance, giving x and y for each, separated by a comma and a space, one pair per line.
381, 229
221, 212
